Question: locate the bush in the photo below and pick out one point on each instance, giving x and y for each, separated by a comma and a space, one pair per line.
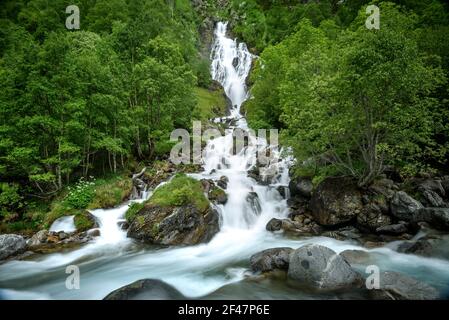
81, 195
181, 190
10, 199
133, 210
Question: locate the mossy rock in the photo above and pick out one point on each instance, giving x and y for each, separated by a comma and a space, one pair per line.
111, 193
85, 221
178, 213
218, 195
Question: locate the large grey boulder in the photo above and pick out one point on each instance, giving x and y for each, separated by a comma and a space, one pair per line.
147, 289
437, 217
322, 268
336, 201
396, 286
11, 244
271, 259
301, 186
403, 206
181, 225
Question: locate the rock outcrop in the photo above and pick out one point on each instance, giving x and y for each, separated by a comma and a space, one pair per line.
147, 289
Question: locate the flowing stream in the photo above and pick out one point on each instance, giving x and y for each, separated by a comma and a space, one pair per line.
112, 260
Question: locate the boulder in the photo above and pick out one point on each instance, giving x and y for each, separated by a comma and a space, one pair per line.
217, 195
174, 225
432, 185
371, 217
302, 186
148, 289
271, 259
357, 257
436, 217
393, 229
321, 268
445, 185
11, 244
85, 221
403, 206
294, 227
274, 225
336, 201
253, 199
396, 286
38, 238
432, 199
422, 247
223, 182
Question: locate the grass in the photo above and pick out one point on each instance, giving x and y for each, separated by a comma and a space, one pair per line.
83, 222
110, 193
181, 190
211, 104
132, 211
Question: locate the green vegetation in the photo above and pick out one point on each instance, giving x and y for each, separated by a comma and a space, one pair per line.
90, 101
181, 190
211, 104
132, 211
350, 100
83, 221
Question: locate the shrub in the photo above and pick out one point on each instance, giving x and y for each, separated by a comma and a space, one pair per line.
81, 195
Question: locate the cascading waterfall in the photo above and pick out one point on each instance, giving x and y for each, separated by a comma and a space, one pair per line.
112, 260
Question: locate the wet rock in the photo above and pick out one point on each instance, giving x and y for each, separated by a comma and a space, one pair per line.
372, 218
62, 235
207, 185
403, 206
436, 217
271, 259
282, 191
432, 185
302, 186
432, 199
96, 232
274, 225
421, 247
336, 201
223, 182
393, 229
85, 221
345, 233
253, 199
320, 267
38, 238
174, 225
396, 286
148, 289
217, 195
10, 245
357, 257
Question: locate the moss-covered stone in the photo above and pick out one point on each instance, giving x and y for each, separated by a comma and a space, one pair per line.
177, 213
84, 221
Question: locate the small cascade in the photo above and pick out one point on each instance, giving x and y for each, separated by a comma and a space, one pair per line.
65, 224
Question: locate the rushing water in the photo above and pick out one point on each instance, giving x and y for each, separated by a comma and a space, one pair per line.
112, 260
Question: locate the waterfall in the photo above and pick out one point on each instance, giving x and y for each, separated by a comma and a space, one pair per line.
112, 260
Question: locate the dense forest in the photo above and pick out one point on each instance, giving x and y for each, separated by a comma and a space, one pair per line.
96, 101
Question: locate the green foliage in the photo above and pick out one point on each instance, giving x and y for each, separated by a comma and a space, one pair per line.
134, 208
352, 100
211, 104
10, 199
110, 192
83, 222
81, 194
181, 190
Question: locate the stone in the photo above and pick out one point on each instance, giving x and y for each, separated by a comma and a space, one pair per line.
274, 225
182, 225
223, 182
336, 201
393, 229
271, 259
321, 268
371, 217
436, 217
302, 186
433, 199
432, 185
10, 245
404, 207
253, 199
147, 289
357, 257
38, 238
396, 286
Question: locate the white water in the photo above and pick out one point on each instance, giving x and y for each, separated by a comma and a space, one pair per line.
65, 224
112, 260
